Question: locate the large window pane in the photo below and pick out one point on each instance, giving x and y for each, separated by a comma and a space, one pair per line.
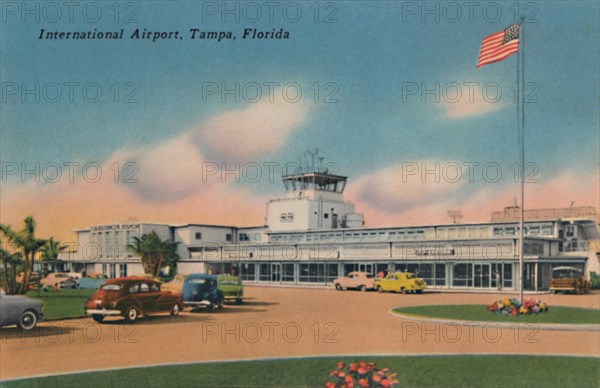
440, 274
265, 272
462, 275
508, 269
287, 271
332, 272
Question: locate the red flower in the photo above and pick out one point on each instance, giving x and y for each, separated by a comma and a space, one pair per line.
363, 383
341, 365
376, 378
352, 367
329, 385
385, 383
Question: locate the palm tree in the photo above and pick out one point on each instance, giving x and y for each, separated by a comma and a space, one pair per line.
153, 252
10, 262
29, 245
51, 250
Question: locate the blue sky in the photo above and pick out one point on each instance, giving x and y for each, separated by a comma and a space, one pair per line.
370, 54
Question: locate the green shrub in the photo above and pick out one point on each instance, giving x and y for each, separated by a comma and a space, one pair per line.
594, 281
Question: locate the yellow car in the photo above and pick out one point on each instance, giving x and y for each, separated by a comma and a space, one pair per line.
403, 282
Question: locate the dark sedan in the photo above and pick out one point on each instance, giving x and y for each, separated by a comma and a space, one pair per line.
131, 297
201, 290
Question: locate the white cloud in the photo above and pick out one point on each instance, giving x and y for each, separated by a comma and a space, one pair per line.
250, 133
472, 102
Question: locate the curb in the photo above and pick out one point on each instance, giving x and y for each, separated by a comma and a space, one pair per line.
503, 325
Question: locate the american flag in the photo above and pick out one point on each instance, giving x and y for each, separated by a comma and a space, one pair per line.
499, 46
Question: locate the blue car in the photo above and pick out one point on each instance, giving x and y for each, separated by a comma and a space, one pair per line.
201, 290
93, 283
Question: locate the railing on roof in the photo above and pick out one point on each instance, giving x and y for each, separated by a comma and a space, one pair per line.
514, 213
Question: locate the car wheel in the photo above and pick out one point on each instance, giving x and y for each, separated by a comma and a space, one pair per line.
363, 288
28, 320
132, 315
175, 309
419, 291
338, 287
403, 290
98, 318
379, 289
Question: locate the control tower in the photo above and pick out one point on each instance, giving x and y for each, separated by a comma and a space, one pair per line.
314, 200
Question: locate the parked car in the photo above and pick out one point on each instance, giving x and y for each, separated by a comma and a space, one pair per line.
69, 283
93, 281
568, 279
201, 290
231, 287
360, 280
131, 297
75, 275
175, 285
20, 310
54, 279
403, 282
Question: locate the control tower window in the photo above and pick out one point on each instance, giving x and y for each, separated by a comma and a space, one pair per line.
286, 217
198, 236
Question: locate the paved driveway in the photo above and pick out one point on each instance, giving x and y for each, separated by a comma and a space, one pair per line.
280, 322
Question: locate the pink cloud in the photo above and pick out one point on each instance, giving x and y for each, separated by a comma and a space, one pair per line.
552, 192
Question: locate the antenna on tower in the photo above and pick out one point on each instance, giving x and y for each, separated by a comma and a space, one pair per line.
456, 215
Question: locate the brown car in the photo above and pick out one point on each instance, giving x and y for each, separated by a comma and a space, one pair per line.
131, 297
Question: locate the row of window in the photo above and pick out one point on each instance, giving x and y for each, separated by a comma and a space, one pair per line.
110, 270
442, 233
474, 275
539, 230
228, 236
112, 243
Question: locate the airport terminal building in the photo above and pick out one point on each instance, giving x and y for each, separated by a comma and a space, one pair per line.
313, 236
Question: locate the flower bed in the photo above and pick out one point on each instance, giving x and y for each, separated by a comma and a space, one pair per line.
361, 374
514, 307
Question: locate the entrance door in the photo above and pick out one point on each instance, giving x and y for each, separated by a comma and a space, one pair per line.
481, 275
275, 272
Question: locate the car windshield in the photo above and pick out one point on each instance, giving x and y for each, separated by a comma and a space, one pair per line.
196, 281
410, 276
111, 287
228, 282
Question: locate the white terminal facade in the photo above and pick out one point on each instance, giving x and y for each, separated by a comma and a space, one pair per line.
313, 236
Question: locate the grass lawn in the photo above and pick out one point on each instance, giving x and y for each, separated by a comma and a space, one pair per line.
63, 304
571, 315
426, 371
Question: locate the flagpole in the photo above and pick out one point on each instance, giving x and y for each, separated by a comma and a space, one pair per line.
521, 126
